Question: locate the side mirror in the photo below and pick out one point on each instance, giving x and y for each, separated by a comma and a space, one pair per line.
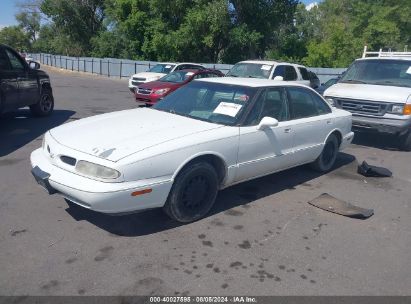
279, 78
34, 65
267, 122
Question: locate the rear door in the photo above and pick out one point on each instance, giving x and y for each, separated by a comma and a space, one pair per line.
311, 122
304, 76
26, 79
8, 84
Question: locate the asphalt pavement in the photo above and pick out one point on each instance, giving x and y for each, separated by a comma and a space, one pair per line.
261, 238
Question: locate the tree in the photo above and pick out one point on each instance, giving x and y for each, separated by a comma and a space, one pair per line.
30, 22
77, 21
15, 37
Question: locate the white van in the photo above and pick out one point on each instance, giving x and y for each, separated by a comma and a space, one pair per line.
376, 89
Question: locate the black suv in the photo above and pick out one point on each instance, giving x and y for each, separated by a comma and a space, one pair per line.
23, 84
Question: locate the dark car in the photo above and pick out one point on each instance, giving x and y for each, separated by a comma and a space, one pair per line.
326, 85
151, 92
23, 84
314, 80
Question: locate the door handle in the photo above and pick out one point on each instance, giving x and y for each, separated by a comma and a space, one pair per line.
329, 122
287, 130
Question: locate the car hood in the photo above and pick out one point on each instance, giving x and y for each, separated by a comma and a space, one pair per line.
369, 92
116, 135
149, 75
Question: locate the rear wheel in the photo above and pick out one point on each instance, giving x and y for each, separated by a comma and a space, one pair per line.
193, 193
327, 158
405, 141
45, 105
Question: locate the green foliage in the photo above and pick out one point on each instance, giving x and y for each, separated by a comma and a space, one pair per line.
331, 34
30, 22
77, 22
15, 37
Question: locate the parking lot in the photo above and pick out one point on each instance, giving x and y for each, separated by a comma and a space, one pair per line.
261, 238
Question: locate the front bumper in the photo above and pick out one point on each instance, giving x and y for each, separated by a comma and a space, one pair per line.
346, 140
384, 125
95, 195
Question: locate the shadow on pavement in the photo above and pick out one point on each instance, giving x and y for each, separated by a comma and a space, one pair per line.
377, 140
153, 221
20, 127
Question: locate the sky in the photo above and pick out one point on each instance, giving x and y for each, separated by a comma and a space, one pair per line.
8, 9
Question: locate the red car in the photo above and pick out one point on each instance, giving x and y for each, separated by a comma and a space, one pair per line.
151, 92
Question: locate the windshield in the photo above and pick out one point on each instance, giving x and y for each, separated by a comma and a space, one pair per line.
379, 72
162, 68
253, 70
177, 77
212, 102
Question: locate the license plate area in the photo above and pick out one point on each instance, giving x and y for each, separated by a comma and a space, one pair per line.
42, 178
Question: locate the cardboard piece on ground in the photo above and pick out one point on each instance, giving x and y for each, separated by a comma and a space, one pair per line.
334, 205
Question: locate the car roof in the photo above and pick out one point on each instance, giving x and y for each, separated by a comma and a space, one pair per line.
250, 82
271, 62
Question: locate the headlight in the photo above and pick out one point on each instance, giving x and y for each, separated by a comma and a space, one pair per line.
330, 101
160, 91
397, 109
95, 170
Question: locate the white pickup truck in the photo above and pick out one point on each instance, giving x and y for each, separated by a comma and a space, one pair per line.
376, 89
275, 70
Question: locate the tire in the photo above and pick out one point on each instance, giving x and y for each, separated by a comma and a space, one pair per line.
193, 193
45, 105
405, 141
326, 160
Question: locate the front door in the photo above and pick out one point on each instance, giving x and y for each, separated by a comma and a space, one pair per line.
9, 87
26, 79
265, 151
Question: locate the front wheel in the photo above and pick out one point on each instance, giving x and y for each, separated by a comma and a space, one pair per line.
193, 193
405, 142
327, 158
45, 105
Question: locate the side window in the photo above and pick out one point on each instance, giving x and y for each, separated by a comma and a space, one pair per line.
180, 67
304, 73
16, 63
290, 73
4, 61
321, 105
301, 103
271, 103
199, 76
279, 71
194, 67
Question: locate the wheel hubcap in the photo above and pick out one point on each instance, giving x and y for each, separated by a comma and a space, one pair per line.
45, 103
328, 154
195, 192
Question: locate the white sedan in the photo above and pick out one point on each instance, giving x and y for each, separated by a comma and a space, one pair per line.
206, 136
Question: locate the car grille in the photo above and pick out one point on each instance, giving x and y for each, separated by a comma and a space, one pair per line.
136, 83
144, 91
139, 79
143, 100
376, 108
